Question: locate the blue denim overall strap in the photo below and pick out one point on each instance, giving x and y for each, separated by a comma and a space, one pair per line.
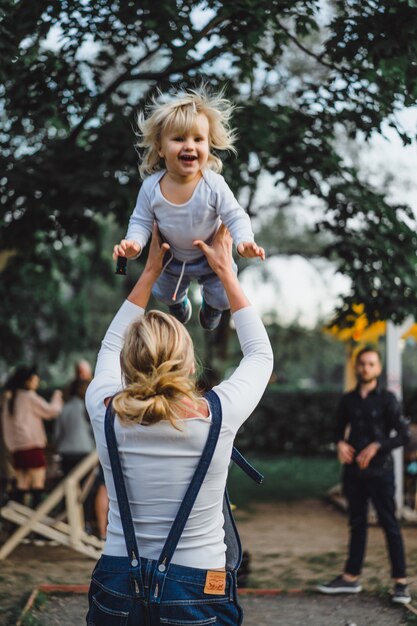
122, 499
195, 484
245, 466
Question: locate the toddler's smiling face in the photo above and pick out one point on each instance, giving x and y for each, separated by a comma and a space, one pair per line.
186, 151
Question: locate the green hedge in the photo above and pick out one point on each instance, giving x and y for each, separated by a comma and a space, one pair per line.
301, 422
286, 478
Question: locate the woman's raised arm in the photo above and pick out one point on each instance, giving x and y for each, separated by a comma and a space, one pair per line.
141, 292
107, 375
240, 394
219, 257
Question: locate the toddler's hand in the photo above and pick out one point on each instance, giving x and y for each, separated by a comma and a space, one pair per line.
250, 249
127, 248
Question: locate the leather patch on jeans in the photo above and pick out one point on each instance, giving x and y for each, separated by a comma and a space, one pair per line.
215, 583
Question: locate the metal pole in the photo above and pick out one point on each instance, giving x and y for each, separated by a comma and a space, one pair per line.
394, 383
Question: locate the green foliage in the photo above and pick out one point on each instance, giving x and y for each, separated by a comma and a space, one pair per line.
306, 357
411, 619
300, 422
73, 75
377, 247
286, 479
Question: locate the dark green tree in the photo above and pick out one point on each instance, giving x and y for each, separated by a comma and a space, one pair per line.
73, 75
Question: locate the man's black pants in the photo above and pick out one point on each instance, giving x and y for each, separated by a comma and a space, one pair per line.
377, 485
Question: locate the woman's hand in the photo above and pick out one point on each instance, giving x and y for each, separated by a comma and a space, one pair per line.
219, 257
155, 261
219, 252
141, 292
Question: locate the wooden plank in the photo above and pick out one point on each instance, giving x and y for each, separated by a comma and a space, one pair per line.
52, 523
27, 606
48, 504
53, 499
51, 533
75, 514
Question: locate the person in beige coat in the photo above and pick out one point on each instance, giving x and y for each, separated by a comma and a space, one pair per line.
24, 412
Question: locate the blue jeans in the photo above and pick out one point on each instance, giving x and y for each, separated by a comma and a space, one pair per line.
168, 283
117, 596
361, 486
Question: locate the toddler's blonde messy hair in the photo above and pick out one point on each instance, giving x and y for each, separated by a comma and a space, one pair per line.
157, 361
179, 111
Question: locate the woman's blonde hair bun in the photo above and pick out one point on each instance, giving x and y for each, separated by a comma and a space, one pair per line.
158, 366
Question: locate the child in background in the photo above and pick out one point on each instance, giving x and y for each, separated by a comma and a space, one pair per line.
185, 194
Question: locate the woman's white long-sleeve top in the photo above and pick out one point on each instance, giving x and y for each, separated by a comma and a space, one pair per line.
158, 461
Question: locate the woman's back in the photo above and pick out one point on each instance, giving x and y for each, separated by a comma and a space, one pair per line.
158, 460
159, 463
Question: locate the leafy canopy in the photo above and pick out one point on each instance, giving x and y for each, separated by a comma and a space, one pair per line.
73, 75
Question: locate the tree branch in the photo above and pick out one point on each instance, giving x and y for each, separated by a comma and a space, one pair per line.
150, 75
109, 90
317, 57
210, 26
176, 70
252, 191
125, 78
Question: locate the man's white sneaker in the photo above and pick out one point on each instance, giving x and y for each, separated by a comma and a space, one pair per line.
401, 594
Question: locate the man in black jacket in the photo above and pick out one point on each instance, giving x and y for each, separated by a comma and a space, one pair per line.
365, 418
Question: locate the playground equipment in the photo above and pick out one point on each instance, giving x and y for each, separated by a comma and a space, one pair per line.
70, 533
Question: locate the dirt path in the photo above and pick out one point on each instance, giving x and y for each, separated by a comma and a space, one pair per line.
282, 610
297, 545
293, 545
